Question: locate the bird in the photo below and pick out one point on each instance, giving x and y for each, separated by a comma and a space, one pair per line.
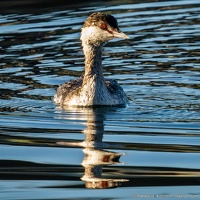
92, 89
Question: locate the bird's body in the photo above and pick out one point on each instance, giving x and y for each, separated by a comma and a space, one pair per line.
75, 93
92, 89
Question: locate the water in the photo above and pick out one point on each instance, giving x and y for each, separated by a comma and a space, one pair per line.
148, 150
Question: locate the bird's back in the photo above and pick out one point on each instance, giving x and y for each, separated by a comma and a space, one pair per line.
113, 94
66, 90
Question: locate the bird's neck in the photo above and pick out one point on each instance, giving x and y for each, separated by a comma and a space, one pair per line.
93, 61
93, 88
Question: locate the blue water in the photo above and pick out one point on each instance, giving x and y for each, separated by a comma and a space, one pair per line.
147, 150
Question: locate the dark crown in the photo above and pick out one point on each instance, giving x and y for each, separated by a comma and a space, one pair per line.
94, 18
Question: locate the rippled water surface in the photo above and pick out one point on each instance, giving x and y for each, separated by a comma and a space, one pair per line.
150, 149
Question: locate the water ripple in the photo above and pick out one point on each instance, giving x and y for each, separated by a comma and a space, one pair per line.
151, 144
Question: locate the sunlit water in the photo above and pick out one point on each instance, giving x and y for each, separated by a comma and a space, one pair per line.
150, 148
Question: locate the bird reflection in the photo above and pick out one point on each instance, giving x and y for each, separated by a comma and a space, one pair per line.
93, 147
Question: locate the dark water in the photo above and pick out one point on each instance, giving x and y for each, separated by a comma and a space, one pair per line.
148, 150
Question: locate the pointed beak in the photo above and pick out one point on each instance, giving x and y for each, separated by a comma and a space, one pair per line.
119, 34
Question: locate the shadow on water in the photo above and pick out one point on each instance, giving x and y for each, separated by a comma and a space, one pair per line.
23, 6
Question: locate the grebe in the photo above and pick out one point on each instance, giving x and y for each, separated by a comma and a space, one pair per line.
92, 89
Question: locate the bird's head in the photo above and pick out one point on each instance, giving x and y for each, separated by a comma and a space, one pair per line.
99, 28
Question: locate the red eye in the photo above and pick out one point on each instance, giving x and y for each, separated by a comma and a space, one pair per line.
103, 26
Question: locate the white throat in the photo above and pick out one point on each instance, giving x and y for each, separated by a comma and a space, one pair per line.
93, 35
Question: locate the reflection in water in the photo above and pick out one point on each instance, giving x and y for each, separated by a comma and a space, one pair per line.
95, 155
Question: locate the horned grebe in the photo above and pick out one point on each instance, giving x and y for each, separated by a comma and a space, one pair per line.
92, 89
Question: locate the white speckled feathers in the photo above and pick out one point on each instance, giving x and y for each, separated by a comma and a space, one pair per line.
73, 93
92, 89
